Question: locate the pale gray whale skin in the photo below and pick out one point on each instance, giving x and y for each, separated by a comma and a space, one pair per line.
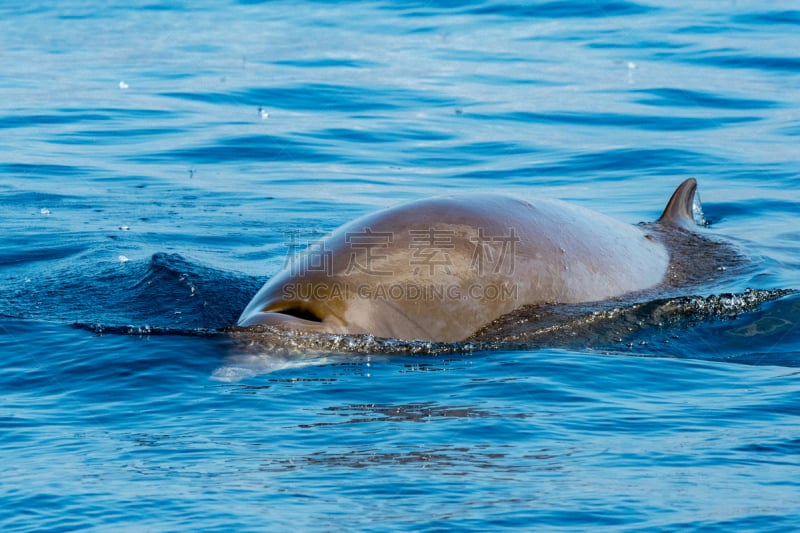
439, 269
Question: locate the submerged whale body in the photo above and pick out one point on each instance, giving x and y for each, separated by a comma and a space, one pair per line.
440, 269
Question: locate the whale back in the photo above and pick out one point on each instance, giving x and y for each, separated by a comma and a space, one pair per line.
441, 268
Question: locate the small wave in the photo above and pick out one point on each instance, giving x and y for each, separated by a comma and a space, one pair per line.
562, 9
737, 59
18, 257
166, 294
379, 136
615, 164
319, 97
327, 62
245, 148
790, 17
29, 170
626, 120
670, 97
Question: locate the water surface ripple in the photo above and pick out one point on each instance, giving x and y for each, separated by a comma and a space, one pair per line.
158, 162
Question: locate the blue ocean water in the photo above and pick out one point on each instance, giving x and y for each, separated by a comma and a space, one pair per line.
157, 161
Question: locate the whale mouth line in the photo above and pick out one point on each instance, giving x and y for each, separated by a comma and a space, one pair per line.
303, 313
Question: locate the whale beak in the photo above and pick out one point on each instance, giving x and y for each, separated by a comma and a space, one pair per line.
283, 320
297, 316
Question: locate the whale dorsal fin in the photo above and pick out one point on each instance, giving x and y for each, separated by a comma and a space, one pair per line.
680, 208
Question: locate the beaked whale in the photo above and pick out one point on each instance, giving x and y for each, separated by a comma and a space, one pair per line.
440, 269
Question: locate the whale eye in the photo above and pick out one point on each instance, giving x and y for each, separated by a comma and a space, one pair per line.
303, 314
